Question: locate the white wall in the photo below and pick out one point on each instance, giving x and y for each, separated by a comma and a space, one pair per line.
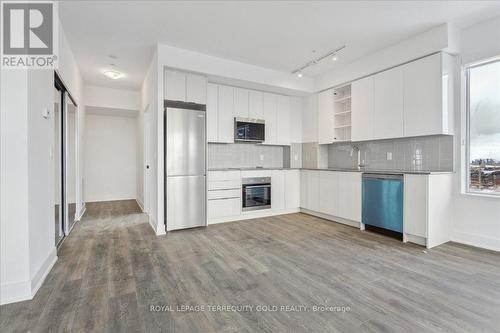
112, 98
140, 159
477, 219
151, 100
110, 158
27, 179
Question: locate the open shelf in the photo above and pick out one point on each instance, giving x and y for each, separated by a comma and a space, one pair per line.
342, 99
342, 113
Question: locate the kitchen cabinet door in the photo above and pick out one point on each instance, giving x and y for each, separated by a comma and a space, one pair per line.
270, 118
313, 190
415, 204
277, 190
329, 192
175, 85
388, 104
304, 189
362, 109
240, 103
423, 97
326, 121
296, 119
212, 112
255, 104
350, 196
283, 119
196, 88
292, 189
225, 114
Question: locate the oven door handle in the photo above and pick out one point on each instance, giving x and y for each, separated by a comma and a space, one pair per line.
254, 186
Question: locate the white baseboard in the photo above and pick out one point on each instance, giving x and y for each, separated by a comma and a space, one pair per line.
82, 211
26, 290
140, 204
415, 239
331, 218
487, 243
42, 273
154, 225
252, 215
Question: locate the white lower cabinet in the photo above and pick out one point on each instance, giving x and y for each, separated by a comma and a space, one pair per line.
349, 194
292, 188
309, 189
277, 189
333, 193
428, 208
223, 195
328, 192
219, 208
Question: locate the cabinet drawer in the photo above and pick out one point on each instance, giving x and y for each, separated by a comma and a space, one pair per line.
223, 175
223, 208
224, 185
224, 194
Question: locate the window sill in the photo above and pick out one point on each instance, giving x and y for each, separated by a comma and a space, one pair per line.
481, 195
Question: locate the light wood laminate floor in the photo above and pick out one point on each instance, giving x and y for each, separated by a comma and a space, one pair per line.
112, 269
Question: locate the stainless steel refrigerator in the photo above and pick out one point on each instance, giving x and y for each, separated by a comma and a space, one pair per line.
185, 161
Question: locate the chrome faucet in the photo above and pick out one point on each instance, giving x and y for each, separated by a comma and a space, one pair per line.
355, 148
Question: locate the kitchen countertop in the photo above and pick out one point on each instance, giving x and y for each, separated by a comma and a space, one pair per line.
416, 172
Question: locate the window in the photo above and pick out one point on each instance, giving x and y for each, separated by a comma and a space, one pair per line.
483, 128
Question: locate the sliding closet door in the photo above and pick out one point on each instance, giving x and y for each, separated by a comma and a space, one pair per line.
71, 160
58, 163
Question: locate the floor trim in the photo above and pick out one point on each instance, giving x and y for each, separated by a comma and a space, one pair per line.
487, 243
331, 218
82, 211
140, 204
15, 292
42, 273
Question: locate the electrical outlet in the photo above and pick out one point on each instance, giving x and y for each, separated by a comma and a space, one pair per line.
389, 155
295, 157
261, 157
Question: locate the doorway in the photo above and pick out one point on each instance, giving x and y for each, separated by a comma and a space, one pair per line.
65, 160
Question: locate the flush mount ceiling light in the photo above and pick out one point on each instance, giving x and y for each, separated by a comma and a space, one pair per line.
332, 54
115, 75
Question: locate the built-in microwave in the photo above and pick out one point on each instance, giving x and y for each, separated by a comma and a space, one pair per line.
252, 130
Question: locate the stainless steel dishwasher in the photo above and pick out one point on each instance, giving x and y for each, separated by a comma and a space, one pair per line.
383, 201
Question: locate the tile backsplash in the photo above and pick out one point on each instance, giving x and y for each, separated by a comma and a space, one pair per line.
429, 153
246, 155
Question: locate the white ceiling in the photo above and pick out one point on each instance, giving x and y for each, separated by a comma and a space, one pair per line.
276, 34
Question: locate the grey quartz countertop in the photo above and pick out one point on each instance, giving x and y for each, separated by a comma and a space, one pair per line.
416, 172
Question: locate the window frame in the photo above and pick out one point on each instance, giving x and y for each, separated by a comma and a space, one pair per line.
466, 128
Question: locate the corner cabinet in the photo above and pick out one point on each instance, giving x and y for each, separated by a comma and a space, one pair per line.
414, 99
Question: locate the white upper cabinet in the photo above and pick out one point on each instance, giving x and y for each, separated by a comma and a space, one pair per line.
225, 119
326, 123
175, 85
283, 120
296, 106
388, 104
427, 90
255, 104
270, 117
240, 103
362, 109
196, 88
409, 100
212, 112
185, 87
